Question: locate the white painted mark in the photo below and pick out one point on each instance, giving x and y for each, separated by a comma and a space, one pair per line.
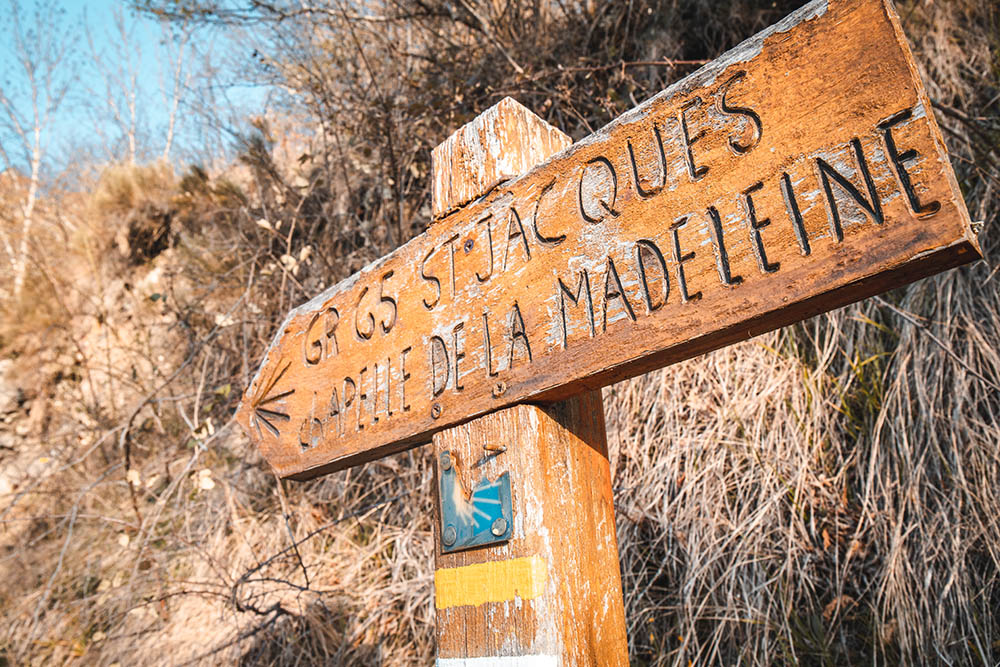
501, 661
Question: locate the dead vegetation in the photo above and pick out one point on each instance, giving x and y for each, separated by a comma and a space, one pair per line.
826, 494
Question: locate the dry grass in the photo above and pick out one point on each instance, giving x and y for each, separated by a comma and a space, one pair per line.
124, 188
826, 494
806, 498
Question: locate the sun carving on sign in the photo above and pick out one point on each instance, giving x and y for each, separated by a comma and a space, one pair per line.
267, 416
481, 508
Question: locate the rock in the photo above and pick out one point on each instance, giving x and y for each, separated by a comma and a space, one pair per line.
11, 396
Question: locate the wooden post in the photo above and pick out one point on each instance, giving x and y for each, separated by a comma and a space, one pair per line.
551, 594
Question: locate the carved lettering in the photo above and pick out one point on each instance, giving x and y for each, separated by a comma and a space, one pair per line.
644, 248
515, 230
582, 287
737, 146
719, 243
686, 189
872, 206
366, 333
312, 352
316, 348
489, 239
404, 375
362, 397
439, 352
487, 347
794, 214
388, 386
375, 394
613, 290
645, 192
451, 264
431, 279
518, 334
696, 173
311, 428
334, 407
608, 208
899, 160
754, 225
390, 301
541, 238
680, 259
348, 399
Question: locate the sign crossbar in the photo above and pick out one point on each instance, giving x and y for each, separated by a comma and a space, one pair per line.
799, 172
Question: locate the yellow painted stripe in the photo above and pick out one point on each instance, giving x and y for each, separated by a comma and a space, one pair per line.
497, 581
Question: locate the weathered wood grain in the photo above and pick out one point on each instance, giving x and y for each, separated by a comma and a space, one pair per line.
799, 172
479, 157
554, 589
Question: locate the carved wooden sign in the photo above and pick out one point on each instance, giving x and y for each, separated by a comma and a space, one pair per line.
801, 171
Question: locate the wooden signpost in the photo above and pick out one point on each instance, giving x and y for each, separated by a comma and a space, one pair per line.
800, 171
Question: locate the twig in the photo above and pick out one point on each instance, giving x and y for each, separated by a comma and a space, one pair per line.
288, 525
245, 577
276, 609
622, 64
125, 439
62, 552
912, 320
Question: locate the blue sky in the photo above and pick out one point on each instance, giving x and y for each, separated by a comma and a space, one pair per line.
105, 65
